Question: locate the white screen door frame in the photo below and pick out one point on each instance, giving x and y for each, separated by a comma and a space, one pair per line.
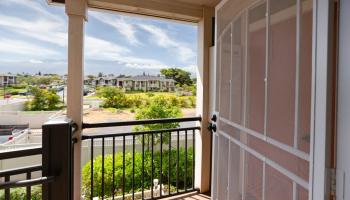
321, 62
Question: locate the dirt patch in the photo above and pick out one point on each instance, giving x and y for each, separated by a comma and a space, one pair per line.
188, 112
104, 115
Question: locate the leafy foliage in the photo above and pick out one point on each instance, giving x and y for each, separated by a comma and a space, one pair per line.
113, 97
190, 88
43, 100
118, 173
38, 80
158, 108
20, 193
180, 76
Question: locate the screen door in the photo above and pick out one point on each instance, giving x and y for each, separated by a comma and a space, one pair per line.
261, 149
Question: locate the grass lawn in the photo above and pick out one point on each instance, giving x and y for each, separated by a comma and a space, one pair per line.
11, 90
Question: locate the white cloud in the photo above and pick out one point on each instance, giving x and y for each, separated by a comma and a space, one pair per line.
98, 49
25, 48
142, 63
51, 28
102, 50
33, 5
36, 61
161, 38
41, 29
119, 23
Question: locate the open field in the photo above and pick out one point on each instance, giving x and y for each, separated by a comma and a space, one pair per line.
108, 115
134, 93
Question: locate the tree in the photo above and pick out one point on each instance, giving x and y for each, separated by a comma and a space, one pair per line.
180, 76
91, 77
113, 97
43, 100
100, 74
38, 80
158, 108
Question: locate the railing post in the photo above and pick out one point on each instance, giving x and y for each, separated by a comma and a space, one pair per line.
57, 159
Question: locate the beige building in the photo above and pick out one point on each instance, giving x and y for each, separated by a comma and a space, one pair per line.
8, 79
141, 83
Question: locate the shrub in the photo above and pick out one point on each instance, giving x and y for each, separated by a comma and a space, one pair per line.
150, 94
118, 173
158, 108
19, 86
113, 97
20, 193
14, 92
137, 100
43, 100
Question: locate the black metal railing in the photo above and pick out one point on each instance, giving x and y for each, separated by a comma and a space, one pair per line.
128, 165
54, 174
25, 171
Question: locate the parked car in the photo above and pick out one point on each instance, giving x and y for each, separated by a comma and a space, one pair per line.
7, 96
23, 93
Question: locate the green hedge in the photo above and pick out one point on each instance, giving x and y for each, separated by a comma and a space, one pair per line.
108, 172
20, 193
115, 98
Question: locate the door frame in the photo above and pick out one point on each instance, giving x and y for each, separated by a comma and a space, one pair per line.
323, 65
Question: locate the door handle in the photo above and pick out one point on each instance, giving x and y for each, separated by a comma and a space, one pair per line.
214, 118
212, 127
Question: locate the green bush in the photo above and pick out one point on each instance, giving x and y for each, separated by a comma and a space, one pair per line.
43, 100
136, 101
19, 86
14, 92
159, 108
118, 173
20, 193
113, 97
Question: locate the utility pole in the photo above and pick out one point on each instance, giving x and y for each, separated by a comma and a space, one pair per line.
4, 90
63, 94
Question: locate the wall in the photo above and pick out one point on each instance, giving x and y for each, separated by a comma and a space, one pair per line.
35, 119
13, 106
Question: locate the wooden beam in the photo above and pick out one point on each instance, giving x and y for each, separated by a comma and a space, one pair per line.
76, 11
204, 147
155, 8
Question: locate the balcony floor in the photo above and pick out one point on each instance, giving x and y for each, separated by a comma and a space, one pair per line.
189, 196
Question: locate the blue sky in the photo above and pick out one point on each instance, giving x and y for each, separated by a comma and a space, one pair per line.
33, 37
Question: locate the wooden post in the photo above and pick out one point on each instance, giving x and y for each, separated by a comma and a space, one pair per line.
77, 15
203, 146
57, 159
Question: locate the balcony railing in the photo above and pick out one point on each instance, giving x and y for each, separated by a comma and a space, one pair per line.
155, 164
6, 175
54, 175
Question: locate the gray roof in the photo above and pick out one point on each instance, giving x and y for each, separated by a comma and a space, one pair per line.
136, 78
7, 74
